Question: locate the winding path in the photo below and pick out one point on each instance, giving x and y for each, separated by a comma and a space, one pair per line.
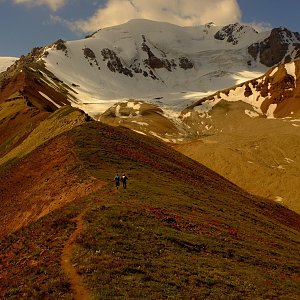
77, 285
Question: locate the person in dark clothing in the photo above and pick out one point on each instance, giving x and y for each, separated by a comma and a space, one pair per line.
124, 181
117, 181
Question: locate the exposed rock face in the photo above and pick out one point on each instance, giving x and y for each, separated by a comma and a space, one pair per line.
90, 56
114, 62
273, 50
147, 66
185, 63
157, 63
60, 45
231, 33
88, 53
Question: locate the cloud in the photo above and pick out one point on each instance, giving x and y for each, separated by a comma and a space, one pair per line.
53, 4
180, 12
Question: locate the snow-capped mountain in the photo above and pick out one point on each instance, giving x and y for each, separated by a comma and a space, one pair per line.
167, 66
148, 60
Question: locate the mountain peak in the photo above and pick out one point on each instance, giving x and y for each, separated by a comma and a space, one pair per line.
232, 33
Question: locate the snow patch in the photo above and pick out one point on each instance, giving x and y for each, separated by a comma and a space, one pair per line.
274, 72
140, 123
139, 132
134, 105
251, 114
207, 105
291, 69
288, 160
49, 99
187, 115
6, 62
278, 199
271, 110
158, 136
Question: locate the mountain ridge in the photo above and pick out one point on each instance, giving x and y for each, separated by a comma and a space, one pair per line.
178, 230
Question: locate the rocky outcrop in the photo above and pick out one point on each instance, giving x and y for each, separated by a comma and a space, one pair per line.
231, 33
274, 49
88, 53
185, 63
114, 62
60, 45
155, 62
90, 56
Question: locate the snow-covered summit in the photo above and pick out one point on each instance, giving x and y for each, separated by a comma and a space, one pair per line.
195, 36
151, 60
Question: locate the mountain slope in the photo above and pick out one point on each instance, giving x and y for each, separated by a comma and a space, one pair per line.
273, 95
178, 231
166, 69
26, 192
249, 134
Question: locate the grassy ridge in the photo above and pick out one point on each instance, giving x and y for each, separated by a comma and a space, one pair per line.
179, 231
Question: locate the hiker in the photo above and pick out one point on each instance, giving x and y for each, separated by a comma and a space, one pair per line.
117, 181
124, 179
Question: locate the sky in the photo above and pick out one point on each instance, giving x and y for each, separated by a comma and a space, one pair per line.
25, 24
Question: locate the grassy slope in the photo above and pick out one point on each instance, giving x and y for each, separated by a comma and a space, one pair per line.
265, 165
179, 231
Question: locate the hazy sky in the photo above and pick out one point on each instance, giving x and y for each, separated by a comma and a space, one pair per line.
25, 24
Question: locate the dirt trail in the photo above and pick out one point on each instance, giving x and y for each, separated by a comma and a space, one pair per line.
80, 292
77, 285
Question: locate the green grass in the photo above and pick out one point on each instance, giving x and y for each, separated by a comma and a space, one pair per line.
131, 251
178, 231
170, 235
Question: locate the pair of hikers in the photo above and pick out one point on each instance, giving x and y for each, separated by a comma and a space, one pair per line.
123, 180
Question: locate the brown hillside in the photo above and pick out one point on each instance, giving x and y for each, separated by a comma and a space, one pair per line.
279, 86
178, 231
22, 106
